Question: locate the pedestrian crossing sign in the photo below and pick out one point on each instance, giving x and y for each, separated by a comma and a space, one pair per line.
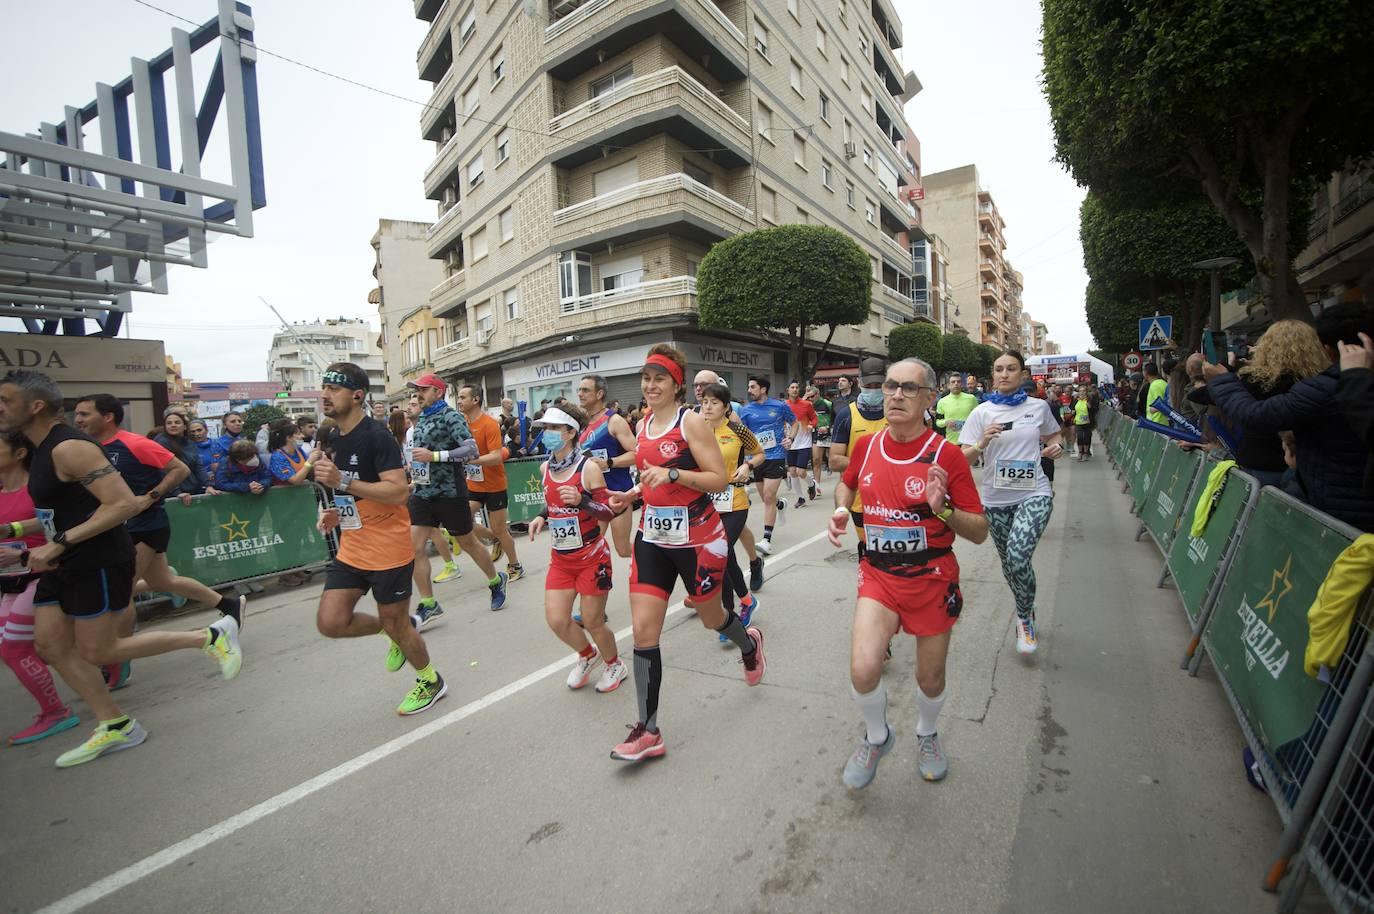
1155, 332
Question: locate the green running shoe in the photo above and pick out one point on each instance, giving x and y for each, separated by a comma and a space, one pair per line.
224, 646
103, 741
395, 657
423, 696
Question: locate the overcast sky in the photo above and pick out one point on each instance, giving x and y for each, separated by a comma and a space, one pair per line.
338, 158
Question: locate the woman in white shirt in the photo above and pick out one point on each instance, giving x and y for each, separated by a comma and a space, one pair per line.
1013, 431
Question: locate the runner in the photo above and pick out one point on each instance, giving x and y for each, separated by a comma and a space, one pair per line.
954, 408
17, 588
87, 565
825, 418
861, 418
361, 463
799, 450
610, 441
1083, 425
442, 440
771, 422
149, 470
741, 452
575, 507
443, 544
704, 379
486, 480
680, 536
918, 494
1013, 431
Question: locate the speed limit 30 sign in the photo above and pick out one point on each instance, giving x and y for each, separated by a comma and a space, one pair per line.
1131, 361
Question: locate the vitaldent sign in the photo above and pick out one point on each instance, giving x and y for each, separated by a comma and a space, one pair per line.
575, 365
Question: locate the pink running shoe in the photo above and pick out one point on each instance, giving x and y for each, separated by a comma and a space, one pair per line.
45, 725
641, 745
755, 664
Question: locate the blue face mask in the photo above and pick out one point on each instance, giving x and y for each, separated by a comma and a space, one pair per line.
871, 396
552, 440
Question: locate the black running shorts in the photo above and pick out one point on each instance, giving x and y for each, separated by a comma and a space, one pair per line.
156, 540
492, 501
800, 458
85, 593
453, 514
391, 585
770, 469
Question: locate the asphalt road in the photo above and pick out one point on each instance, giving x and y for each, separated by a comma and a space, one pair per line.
1095, 777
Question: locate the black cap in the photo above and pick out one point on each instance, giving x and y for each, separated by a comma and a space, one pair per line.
872, 371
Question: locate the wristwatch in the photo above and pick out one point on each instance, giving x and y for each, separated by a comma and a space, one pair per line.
154, 494
947, 513
673, 475
60, 538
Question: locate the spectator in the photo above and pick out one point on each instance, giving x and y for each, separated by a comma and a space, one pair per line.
289, 463
306, 425
844, 394
1154, 388
242, 470
174, 439
508, 417
396, 424
1192, 401
379, 411
205, 447
1331, 456
1355, 395
615, 405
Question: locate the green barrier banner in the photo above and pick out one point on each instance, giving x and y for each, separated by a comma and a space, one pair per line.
524, 489
1143, 464
222, 538
1162, 513
1193, 561
1258, 631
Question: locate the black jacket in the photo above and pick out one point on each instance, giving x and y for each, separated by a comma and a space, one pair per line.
1355, 397
1331, 456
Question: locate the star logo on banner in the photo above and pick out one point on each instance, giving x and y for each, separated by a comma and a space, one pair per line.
1275, 594
1173, 482
237, 529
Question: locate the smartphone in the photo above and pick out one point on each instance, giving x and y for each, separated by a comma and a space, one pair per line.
1214, 346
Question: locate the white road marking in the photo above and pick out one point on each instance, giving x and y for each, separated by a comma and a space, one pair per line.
103, 888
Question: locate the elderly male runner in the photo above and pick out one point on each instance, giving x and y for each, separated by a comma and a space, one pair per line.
918, 493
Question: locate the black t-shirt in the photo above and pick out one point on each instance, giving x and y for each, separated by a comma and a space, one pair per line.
68, 504
366, 452
383, 539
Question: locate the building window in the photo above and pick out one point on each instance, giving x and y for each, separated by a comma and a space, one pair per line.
503, 146
768, 203
699, 175
826, 174
868, 156
765, 125
692, 266
760, 38
574, 274
849, 193
471, 98
863, 45
803, 216
792, 8
605, 84
843, 9
848, 132
625, 273
469, 26
507, 223
498, 65
477, 244
795, 72
820, 40
475, 169
616, 177
799, 149
866, 99
844, 70
512, 297
825, 107
870, 211
483, 317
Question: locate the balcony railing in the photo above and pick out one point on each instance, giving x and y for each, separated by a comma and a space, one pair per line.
645, 291
449, 292
672, 78
448, 355
901, 251
653, 187
448, 216
439, 32
444, 162
896, 295
587, 11
440, 101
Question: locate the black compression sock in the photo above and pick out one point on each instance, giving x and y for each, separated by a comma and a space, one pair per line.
734, 630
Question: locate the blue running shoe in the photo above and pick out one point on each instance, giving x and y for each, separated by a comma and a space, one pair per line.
498, 592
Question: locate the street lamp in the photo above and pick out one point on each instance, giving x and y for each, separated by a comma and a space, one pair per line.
1214, 267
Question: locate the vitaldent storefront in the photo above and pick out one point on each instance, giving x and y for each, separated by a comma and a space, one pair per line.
135, 371
620, 363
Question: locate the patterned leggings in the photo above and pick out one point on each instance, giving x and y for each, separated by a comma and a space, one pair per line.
1016, 531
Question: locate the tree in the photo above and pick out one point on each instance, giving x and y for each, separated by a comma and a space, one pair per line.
921, 341
1113, 322
961, 354
790, 278
255, 416
1253, 103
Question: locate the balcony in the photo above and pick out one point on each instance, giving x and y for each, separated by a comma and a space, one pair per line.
427, 10
896, 297
896, 250
449, 294
887, 68
601, 29
647, 207
442, 234
665, 101
451, 355
654, 299
440, 105
436, 51
443, 166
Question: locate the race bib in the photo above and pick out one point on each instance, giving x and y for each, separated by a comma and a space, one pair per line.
665, 526
419, 473
47, 517
767, 440
724, 501
894, 540
1015, 474
19, 567
566, 534
600, 453
473, 471
956, 424
348, 512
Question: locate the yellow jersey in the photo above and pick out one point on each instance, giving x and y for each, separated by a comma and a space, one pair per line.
736, 443
858, 428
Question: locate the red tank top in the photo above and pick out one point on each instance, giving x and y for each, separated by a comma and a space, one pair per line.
574, 531
18, 506
674, 516
899, 527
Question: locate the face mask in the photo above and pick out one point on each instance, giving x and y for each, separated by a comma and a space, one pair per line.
253, 464
552, 440
871, 396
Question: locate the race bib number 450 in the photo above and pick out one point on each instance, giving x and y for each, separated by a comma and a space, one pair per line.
666, 526
1015, 474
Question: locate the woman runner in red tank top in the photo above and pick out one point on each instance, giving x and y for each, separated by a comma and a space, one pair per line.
575, 507
680, 537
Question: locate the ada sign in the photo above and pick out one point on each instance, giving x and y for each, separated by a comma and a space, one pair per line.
1155, 332
1131, 362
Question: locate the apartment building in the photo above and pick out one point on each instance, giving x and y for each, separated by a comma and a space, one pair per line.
588, 154
1338, 263
299, 355
405, 274
930, 289
958, 210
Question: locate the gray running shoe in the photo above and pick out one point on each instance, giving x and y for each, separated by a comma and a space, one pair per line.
930, 758
863, 764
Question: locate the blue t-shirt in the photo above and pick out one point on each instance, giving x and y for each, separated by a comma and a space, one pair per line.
768, 421
282, 467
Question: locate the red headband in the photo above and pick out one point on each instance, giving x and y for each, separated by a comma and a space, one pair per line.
668, 365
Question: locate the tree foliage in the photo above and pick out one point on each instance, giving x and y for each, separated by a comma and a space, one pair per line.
789, 278
921, 341
961, 354
1252, 103
1114, 323
255, 416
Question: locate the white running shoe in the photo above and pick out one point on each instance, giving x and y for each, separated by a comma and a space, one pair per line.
782, 511
764, 546
582, 671
1025, 636
612, 676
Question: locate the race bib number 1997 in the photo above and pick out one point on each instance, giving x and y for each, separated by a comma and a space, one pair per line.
665, 525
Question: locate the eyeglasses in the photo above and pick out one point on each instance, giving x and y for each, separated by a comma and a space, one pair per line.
908, 388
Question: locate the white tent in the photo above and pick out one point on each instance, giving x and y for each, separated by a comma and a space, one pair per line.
1070, 365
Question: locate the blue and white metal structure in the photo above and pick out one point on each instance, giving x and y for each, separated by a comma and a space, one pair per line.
81, 231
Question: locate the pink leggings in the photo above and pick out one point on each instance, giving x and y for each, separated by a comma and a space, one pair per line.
16, 649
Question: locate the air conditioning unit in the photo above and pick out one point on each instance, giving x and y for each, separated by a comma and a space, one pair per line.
484, 337
851, 150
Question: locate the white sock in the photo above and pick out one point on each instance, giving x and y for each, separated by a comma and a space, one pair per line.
929, 709
796, 485
873, 708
